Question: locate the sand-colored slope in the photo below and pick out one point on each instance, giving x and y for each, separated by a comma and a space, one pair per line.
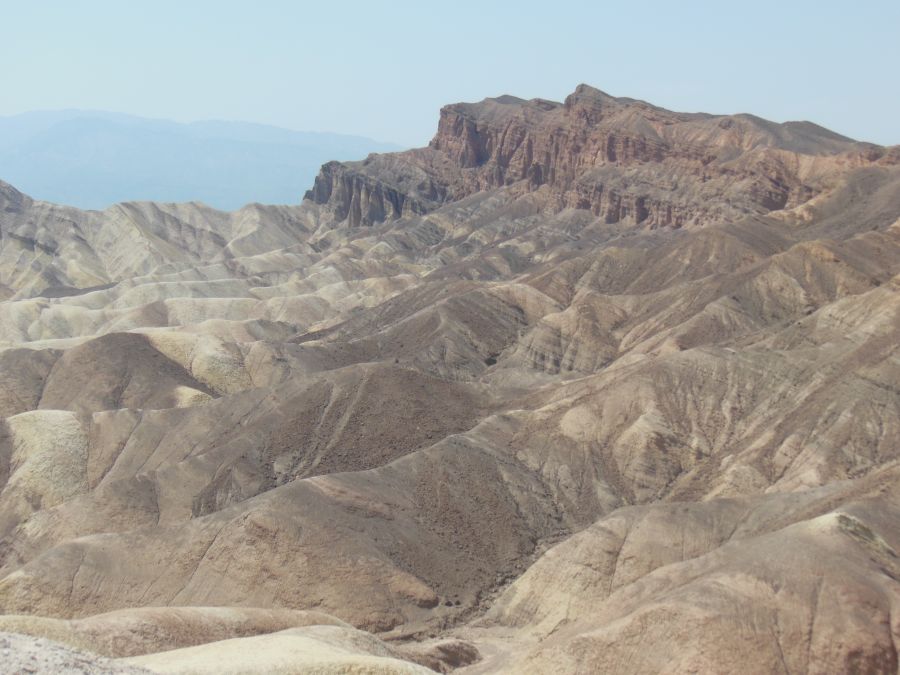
329, 650
138, 631
646, 594
671, 363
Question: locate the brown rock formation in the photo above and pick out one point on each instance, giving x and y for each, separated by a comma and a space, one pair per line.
621, 159
598, 387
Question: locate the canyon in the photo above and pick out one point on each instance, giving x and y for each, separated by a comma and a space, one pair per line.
579, 387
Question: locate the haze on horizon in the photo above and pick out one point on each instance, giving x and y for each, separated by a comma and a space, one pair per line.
383, 72
594, 387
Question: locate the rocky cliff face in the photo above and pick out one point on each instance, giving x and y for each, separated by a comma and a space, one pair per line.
566, 445
361, 199
622, 160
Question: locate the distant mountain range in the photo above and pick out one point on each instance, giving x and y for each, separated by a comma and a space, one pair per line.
92, 159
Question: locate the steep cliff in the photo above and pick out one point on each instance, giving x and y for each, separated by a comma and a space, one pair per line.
621, 159
504, 427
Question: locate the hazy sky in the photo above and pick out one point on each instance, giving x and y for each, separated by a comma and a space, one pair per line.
384, 69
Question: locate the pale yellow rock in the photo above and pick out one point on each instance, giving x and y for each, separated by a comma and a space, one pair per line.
320, 650
49, 457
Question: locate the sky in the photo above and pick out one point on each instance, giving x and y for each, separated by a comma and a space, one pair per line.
383, 70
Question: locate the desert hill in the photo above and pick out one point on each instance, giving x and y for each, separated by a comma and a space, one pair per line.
580, 386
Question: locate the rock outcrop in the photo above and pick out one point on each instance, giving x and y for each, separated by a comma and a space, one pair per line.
623, 160
583, 386
361, 199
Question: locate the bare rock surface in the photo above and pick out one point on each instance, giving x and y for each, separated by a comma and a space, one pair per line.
581, 386
145, 630
25, 654
622, 159
326, 650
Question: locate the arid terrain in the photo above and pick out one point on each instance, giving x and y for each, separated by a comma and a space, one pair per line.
580, 387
